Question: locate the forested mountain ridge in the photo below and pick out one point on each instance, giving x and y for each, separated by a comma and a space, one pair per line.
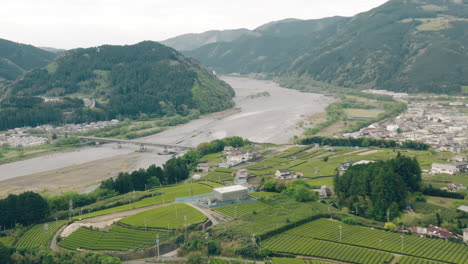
147, 77
15, 59
193, 41
403, 45
270, 48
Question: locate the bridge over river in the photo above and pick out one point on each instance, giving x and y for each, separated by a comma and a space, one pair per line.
140, 143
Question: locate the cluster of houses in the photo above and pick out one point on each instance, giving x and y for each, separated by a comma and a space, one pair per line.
441, 126
235, 157
33, 136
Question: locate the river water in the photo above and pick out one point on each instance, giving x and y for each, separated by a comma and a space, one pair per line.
261, 119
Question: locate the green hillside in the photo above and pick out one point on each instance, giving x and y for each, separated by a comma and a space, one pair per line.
124, 80
413, 46
15, 59
193, 41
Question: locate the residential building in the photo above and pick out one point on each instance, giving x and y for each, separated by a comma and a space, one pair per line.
203, 167
439, 168
285, 174
454, 187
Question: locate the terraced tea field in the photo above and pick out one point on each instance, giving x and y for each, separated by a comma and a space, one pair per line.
296, 261
171, 216
413, 260
169, 195
312, 247
328, 230
118, 238
239, 210
40, 235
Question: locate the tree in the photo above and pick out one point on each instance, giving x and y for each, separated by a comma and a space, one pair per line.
5, 254
214, 247
390, 226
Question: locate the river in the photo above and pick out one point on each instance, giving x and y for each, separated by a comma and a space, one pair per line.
272, 118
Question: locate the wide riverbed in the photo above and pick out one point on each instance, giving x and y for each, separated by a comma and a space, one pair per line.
261, 119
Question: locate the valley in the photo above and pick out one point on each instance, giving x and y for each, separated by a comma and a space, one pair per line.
275, 118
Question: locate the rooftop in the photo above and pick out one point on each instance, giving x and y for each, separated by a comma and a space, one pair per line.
231, 188
463, 208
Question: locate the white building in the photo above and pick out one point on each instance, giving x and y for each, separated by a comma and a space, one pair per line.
231, 193
438, 168
284, 174
465, 235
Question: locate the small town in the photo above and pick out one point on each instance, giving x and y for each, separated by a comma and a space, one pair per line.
39, 135
443, 127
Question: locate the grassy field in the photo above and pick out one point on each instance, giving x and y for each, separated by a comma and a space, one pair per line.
169, 195
446, 202
220, 176
14, 154
39, 235
118, 238
239, 210
7, 240
171, 216
446, 178
263, 194
328, 230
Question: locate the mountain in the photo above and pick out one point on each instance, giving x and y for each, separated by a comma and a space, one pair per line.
402, 45
53, 50
16, 58
193, 41
268, 49
147, 77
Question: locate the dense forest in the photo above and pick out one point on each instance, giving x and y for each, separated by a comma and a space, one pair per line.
26, 208
15, 59
379, 190
411, 46
125, 81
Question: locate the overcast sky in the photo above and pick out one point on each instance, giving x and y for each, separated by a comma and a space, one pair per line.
85, 23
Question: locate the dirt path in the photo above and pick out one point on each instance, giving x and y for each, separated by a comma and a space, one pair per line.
53, 244
368, 152
104, 221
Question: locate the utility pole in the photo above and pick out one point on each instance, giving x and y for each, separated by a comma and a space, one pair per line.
401, 243
157, 243
70, 209
340, 232
388, 215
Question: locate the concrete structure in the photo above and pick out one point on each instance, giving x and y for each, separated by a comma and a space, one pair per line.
438, 168
203, 167
465, 235
325, 192
463, 208
231, 193
241, 176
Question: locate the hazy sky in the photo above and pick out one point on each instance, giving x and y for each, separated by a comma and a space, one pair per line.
85, 23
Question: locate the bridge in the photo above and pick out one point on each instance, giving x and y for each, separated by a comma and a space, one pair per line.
140, 143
